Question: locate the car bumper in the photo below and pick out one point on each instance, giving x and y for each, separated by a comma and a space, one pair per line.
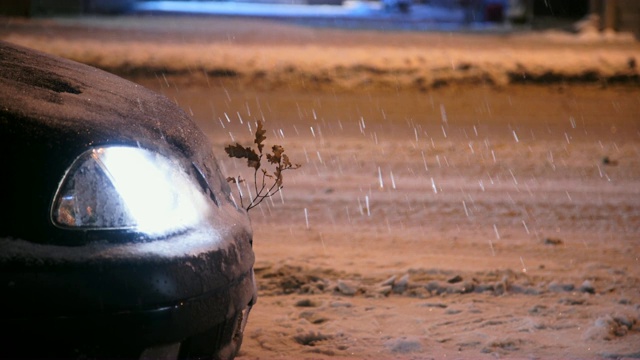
129, 300
132, 334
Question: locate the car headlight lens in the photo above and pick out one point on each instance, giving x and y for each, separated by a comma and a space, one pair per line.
121, 187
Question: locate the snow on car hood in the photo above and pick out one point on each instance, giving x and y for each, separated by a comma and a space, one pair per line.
53, 109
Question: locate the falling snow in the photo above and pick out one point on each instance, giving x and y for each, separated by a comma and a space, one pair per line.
477, 220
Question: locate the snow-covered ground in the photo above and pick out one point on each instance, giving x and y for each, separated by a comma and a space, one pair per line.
268, 53
466, 222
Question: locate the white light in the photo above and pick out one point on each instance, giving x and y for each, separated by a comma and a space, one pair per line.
157, 194
129, 188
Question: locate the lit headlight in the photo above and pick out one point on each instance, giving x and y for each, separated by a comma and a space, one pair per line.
128, 188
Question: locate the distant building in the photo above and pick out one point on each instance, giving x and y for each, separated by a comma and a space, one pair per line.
617, 15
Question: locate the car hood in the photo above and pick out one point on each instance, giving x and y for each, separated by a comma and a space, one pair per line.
85, 105
52, 110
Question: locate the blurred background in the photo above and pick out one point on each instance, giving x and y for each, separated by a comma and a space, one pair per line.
598, 15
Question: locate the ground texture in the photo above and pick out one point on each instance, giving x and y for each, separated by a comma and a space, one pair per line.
460, 196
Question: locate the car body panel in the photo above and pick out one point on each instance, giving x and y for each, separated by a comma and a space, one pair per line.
108, 285
56, 109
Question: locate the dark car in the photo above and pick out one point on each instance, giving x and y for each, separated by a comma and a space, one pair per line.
118, 236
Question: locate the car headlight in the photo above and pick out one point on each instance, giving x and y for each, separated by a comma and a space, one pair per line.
119, 187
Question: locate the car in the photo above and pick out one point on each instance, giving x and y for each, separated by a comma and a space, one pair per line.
402, 6
119, 237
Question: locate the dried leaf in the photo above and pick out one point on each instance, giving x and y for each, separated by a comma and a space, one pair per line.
235, 180
254, 163
276, 157
240, 152
277, 150
260, 136
286, 162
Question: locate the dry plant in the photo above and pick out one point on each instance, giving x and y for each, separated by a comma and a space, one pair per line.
277, 158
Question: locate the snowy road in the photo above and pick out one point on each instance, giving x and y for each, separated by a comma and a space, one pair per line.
461, 196
490, 214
